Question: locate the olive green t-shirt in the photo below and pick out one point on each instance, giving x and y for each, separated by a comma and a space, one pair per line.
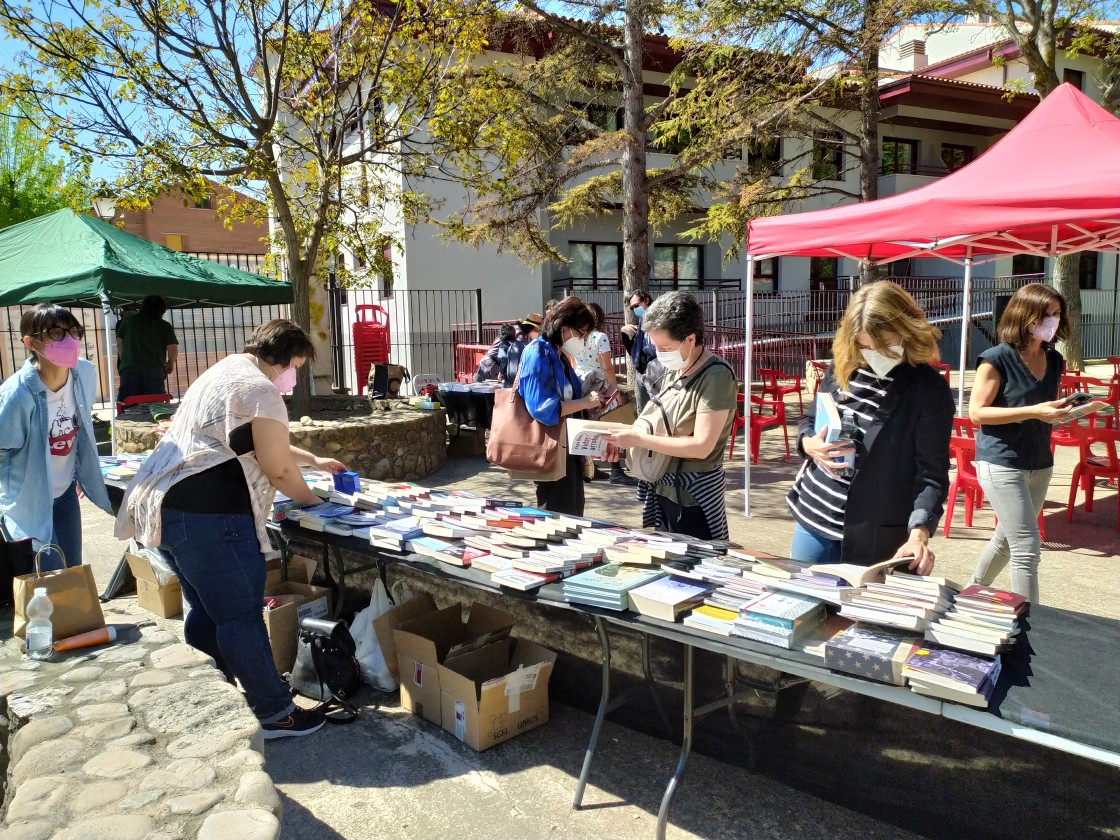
144, 343
716, 390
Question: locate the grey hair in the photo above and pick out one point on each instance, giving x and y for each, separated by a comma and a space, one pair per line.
678, 314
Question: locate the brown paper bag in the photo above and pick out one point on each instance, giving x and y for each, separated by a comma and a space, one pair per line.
73, 593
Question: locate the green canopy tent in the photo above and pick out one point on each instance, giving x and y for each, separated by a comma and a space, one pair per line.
77, 261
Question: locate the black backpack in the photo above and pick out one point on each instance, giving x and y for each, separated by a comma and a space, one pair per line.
326, 668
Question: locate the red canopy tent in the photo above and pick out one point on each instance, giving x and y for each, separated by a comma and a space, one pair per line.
1051, 186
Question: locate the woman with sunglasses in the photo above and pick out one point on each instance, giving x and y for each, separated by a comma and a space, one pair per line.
48, 456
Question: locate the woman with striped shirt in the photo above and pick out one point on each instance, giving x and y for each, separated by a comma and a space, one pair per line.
902, 413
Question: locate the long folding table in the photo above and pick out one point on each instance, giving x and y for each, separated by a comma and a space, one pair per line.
1059, 686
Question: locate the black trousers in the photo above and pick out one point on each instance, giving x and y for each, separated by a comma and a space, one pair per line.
681, 519
565, 495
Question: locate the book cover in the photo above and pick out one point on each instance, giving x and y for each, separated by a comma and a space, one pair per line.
949, 667
520, 580
995, 600
827, 416
872, 653
612, 577
666, 597
589, 437
783, 609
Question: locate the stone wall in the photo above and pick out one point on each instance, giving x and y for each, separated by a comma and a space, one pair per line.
139, 740
399, 443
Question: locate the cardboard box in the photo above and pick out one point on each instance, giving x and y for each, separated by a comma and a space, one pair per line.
384, 625
164, 600
297, 602
424, 643
300, 570
870, 652
496, 692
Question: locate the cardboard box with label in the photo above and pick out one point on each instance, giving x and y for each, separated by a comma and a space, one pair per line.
424, 643
494, 693
384, 625
163, 599
300, 570
293, 603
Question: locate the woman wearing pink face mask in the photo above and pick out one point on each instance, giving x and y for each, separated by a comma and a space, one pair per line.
203, 497
47, 448
1015, 401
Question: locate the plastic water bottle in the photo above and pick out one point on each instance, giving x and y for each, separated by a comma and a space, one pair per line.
40, 631
848, 432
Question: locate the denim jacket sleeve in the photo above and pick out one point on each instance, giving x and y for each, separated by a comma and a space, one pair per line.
542, 374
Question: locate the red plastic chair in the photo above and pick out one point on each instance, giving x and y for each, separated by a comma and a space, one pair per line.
759, 422
943, 369
773, 387
142, 399
964, 427
817, 371
963, 451
1090, 467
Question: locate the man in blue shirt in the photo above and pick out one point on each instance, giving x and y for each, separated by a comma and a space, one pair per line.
637, 343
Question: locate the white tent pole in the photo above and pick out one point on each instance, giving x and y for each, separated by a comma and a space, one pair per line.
966, 324
110, 362
747, 366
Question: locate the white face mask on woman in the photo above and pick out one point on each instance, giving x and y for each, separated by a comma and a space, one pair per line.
574, 346
674, 359
1046, 330
883, 363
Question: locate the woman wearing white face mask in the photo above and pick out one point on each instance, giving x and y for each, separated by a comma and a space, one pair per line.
903, 414
47, 450
699, 390
1014, 399
203, 497
551, 389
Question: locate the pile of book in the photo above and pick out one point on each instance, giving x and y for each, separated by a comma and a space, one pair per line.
981, 620
952, 675
607, 586
784, 619
901, 601
121, 467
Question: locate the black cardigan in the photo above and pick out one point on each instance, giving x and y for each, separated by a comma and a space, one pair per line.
902, 479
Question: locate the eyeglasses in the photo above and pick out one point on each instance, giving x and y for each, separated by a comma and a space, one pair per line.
59, 333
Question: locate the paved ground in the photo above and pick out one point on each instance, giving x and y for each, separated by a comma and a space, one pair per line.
850, 768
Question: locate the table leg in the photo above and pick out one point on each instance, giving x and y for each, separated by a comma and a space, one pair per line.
648, 671
604, 704
340, 598
686, 746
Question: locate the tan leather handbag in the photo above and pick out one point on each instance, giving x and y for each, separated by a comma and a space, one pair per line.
517, 441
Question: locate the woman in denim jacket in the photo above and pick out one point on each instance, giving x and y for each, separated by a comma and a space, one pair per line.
48, 457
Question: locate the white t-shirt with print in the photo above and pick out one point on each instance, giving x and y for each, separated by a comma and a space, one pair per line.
62, 436
587, 359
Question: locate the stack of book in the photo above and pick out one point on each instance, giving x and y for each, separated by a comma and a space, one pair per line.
779, 618
981, 620
952, 675
902, 601
667, 597
711, 619
607, 586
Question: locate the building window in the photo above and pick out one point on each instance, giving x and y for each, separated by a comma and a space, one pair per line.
608, 119
387, 271
205, 203
1087, 269
765, 157
824, 273
175, 241
678, 266
766, 275
900, 157
1074, 77
595, 265
954, 157
1027, 264
828, 156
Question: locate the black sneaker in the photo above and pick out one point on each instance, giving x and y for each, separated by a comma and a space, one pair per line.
624, 479
299, 722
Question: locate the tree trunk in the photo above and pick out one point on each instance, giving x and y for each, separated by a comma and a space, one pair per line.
1067, 283
635, 191
299, 271
869, 132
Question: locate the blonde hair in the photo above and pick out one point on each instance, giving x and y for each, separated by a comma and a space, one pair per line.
876, 308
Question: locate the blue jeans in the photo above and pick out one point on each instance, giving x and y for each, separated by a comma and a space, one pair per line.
67, 531
809, 547
220, 566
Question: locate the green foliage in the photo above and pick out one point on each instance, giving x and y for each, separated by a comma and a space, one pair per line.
33, 182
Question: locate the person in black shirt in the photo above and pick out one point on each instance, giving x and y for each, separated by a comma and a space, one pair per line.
1015, 401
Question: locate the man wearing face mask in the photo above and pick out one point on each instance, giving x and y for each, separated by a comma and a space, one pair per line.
903, 416
47, 450
203, 497
638, 344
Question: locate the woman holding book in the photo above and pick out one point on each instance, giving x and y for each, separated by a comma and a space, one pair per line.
203, 497
900, 418
552, 391
699, 390
48, 457
1015, 401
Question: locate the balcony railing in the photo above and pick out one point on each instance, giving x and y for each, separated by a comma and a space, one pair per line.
904, 168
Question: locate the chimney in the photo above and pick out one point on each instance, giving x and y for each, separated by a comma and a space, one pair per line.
913, 53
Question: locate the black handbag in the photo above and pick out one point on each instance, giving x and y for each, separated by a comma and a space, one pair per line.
326, 668
17, 557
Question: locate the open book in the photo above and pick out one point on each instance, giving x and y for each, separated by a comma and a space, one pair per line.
588, 437
860, 575
1080, 411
